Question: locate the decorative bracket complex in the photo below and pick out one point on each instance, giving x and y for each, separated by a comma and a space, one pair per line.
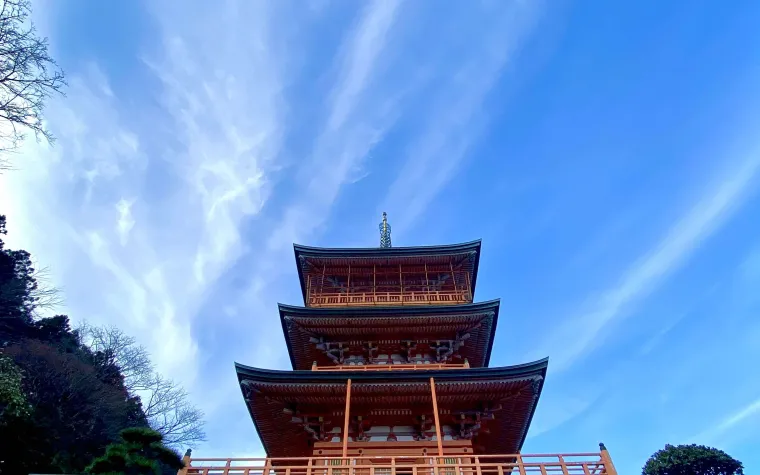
408, 350
445, 349
333, 350
315, 426
425, 429
360, 426
371, 350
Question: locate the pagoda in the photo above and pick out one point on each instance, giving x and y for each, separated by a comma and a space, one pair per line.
390, 357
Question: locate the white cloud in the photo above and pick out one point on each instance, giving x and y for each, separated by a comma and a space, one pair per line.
458, 115
730, 422
149, 193
350, 131
576, 336
126, 222
341, 145
206, 154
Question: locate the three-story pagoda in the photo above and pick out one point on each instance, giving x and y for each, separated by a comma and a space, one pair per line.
391, 373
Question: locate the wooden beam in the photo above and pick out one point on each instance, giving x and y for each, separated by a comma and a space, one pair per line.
346, 418
438, 437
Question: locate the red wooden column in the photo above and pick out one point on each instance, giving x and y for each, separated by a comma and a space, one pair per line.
438, 437
346, 419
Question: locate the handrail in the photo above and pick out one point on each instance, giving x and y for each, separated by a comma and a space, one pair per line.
337, 299
452, 464
392, 367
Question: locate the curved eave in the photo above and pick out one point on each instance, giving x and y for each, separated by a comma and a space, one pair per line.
535, 370
444, 249
522, 371
386, 252
398, 311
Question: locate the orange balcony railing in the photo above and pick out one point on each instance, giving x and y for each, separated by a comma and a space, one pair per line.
318, 299
598, 463
391, 367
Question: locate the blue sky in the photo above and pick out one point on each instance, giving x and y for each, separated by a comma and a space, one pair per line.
607, 153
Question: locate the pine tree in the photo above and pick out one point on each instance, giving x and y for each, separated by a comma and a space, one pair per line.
141, 452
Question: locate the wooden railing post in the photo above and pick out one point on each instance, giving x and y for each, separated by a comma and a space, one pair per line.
609, 468
563, 466
520, 464
185, 463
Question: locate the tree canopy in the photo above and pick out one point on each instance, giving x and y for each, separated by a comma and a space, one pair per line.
692, 460
141, 451
62, 400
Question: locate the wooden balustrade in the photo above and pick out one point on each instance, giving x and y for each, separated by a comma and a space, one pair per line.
597, 463
318, 299
392, 367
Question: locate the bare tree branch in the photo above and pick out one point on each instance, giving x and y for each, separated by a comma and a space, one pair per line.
165, 403
28, 76
171, 414
122, 350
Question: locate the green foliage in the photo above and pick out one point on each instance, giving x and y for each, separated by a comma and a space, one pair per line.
61, 404
76, 412
17, 284
13, 403
140, 452
692, 460
62, 401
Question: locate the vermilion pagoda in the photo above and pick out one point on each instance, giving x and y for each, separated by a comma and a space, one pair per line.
390, 374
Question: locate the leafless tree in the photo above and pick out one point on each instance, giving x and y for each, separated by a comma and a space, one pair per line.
123, 350
170, 413
165, 403
28, 75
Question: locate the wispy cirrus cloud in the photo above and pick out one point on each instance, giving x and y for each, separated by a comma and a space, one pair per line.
150, 196
577, 336
728, 423
350, 131
180, 182
458, 113
153, 184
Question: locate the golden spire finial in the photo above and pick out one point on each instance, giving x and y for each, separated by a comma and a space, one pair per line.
385, 232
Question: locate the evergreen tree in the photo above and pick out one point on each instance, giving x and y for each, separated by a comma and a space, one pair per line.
141, 452
61, 403
692, 460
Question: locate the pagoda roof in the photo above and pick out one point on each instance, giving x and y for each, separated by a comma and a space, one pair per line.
272, 395
299, 324
392, 255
